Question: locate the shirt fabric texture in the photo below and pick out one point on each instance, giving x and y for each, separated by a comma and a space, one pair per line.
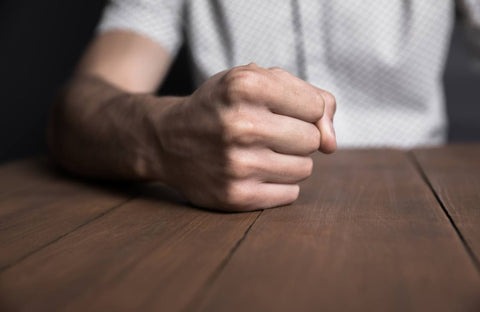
383, 60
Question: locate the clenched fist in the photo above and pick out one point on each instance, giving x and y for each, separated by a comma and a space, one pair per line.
242, 140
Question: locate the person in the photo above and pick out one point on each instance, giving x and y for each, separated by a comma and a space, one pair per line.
243, 139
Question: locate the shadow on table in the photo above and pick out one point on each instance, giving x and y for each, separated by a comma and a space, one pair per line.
140, 190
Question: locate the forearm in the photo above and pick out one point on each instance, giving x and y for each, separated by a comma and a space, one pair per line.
97, 130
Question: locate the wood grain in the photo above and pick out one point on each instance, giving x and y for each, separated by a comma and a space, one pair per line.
152, 254
38, 205
366, 234
454, 173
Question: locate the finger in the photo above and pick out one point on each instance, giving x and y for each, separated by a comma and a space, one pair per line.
269, 195
264, 165
330, 104
273, 195
328, 141
283, 94
288, 135
279, 168
303, 94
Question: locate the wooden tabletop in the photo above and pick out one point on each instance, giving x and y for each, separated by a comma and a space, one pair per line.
373, 230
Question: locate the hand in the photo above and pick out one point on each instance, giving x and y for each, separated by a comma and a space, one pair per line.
242, 140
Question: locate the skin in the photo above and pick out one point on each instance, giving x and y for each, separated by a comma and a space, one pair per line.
242, 141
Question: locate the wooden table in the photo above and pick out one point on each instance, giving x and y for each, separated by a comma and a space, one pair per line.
373, 230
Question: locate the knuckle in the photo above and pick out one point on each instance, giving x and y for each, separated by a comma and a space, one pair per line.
319, 107
251, 65
330, 100
241, 130
239, 83
277, 69
313, 139
239, 165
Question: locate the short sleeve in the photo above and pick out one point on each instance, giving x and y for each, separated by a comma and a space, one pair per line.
471, 9
160, 20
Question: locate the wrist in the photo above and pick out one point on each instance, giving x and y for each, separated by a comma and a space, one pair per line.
151, 161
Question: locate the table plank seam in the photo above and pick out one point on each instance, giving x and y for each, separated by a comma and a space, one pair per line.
19, 260
194, 302
425, 178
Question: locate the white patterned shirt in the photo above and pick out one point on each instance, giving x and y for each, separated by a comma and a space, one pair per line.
383, 60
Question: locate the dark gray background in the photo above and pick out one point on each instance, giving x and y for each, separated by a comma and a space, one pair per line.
40, 41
